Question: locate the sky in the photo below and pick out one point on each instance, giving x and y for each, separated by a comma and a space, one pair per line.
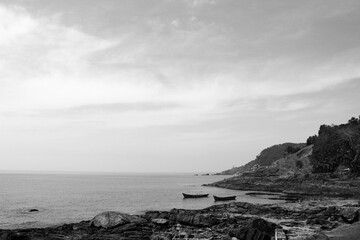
170, 85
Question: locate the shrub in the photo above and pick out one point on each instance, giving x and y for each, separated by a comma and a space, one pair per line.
337, 145
291, 149
311, 140
299, 164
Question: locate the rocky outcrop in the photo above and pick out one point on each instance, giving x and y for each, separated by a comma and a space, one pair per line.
236, 220
253, 229
191, 218
311, 185
218, 222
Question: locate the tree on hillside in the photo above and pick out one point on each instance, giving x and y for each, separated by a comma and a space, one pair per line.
336, 145
291, 149
351, 136
311, 140
299, 164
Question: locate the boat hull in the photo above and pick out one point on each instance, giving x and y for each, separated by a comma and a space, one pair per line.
228, 198
195, 195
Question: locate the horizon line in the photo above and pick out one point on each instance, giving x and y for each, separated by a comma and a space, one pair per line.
95, 172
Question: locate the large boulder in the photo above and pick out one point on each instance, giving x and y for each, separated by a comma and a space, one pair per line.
350, 214
113, 219
254, 229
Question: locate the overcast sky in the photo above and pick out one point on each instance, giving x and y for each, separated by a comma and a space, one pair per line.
170, 85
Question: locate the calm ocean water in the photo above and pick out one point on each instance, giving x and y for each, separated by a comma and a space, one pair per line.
65, 198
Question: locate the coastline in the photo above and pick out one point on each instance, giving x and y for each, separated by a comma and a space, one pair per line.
312, 185
331, 202
308, 219
64, 199
314, 207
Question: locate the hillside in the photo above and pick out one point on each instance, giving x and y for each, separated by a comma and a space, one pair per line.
292, 173
327, 165
288, 166
335, 146
265, 158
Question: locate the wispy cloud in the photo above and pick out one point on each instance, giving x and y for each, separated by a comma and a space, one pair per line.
154, 73
37, 51
192, 63
111, 108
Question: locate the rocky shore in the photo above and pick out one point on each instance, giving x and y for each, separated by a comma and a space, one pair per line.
311, 185
309, 219
292, 174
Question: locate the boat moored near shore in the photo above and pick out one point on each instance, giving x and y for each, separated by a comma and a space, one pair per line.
225, 198
201, 195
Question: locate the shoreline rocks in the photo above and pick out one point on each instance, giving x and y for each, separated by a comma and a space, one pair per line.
113, 219
311, 185
236, 220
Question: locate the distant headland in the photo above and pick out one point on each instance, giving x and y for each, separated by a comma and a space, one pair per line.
324, 169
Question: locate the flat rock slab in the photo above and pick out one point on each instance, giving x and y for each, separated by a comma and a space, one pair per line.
160, 221
345, 232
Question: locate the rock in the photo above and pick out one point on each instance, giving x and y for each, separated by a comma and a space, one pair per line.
109, 220
193, 218
160, 221
263, 226
291, 223
317, 236
255, 229
113, 219
222, 221
156, 214
159, 237
317, 221
354, 217
135, 219
18, 236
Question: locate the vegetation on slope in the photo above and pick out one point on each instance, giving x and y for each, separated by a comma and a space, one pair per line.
318, 169
336, 145
267, 157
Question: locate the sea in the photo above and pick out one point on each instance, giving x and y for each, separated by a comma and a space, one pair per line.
66, 198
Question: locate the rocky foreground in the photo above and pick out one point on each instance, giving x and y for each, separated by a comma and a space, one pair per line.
235, 220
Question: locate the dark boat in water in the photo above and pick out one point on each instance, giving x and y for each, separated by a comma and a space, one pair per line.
228, 198
195, 195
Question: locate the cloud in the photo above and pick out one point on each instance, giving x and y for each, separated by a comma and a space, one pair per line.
187, 61
192, 4
170, 79
199, 3
113, 108
15, 23
42, 43
37, 53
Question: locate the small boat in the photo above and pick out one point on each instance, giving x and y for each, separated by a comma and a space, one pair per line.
195, 195
227, 198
